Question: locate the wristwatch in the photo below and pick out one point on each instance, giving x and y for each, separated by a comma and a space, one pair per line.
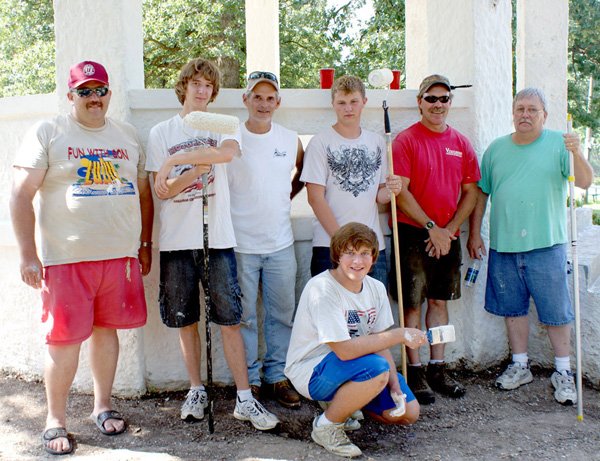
429, 225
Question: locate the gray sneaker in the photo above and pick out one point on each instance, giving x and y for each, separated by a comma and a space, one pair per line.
252, 410
564, 387
514, 376
333, 438
194, 405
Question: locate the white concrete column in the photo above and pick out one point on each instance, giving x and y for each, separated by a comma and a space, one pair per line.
542, 39
109, 32
469, 41
262, 35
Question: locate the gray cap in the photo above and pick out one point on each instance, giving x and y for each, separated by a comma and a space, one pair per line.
432, 80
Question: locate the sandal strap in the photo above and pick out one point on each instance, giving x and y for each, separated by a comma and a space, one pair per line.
109, 414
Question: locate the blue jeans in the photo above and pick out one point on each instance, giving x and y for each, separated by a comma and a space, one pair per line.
540, 274
321, 261
277, 271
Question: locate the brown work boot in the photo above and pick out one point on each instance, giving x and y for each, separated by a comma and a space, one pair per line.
285, 394
418, 385
441, 382
255, 388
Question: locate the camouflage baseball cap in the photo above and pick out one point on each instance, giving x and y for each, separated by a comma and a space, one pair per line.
432, 80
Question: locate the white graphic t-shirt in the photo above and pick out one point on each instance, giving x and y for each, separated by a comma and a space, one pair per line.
328, 312
181, 216
89, 199
351, 171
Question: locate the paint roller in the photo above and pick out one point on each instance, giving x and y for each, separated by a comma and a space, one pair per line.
209, 121
441, 335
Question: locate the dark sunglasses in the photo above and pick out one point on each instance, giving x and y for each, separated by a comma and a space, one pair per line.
87, 92
260, 74
433, 99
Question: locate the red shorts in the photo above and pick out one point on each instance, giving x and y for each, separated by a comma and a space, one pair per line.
77, 297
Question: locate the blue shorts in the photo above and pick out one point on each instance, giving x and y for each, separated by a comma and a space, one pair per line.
179, 293
540, 274
331, 373
321, 261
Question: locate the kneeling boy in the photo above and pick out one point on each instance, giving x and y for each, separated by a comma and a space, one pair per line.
339, 349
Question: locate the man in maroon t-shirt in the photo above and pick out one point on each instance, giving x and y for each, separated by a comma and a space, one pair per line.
439, 173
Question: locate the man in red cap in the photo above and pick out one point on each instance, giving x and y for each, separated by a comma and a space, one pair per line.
95, 218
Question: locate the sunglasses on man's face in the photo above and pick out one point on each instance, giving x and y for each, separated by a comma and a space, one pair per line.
260, 74
87, 92
433, 99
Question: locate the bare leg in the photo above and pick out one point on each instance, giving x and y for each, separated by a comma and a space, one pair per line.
410, 417
352, 396
437, 315
104, 354
518, 333
235, 354
560, 337
189, 340
412, 319
60, 369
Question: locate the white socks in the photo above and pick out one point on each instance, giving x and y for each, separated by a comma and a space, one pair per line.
244, 395
323, 421
521, 359
562, 364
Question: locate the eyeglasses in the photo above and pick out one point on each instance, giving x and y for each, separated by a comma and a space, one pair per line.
87, 92
353, 254
520, 111
261, 74
433, 99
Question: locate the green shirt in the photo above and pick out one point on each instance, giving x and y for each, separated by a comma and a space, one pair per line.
527, 186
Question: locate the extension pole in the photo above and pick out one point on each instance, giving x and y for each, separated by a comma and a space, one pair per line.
207, 303
575, 277
390, 159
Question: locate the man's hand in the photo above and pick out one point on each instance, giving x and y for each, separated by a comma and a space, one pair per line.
572, 142
32, 272
145, 259
475, 246
393, 183
438, 243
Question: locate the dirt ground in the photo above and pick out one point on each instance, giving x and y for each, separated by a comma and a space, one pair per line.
487, 424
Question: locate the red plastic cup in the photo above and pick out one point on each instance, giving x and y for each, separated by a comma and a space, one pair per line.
326, 76
395, 85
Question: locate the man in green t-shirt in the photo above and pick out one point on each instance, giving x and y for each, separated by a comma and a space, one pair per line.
525, 176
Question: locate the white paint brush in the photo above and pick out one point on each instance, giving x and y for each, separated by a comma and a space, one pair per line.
209, 121
440, 335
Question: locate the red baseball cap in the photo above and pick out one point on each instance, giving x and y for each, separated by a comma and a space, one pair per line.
87, 71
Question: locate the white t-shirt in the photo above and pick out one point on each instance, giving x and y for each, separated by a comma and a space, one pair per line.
181, 216
260, 186
89, 199
351, 171
328, 312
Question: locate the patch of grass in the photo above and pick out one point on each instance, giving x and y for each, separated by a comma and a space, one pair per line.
596, 217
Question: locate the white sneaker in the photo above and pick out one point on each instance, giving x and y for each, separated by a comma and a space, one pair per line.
514, 376
252, 410
352, 423
194, 405
564, 387
333, 438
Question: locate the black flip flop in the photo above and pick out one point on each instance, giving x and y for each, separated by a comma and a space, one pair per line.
56, 433
109, 414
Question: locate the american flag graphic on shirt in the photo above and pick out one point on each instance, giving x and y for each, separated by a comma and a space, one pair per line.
354, 321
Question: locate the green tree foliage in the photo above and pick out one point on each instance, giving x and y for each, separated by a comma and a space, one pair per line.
26, 47
379, 41
176, 31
